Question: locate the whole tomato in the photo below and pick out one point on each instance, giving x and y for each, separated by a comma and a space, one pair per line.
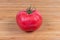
29, 20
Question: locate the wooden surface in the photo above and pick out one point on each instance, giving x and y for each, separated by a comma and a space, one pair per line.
49, 9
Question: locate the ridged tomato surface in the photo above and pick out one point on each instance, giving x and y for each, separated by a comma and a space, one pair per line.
29, 22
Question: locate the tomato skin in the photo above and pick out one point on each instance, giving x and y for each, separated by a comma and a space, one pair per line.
29, 22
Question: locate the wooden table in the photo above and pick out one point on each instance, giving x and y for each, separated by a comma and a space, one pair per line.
50, 29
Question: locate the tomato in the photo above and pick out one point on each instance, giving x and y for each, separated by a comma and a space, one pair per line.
29, 20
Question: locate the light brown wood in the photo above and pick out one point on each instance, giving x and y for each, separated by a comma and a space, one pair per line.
49, 9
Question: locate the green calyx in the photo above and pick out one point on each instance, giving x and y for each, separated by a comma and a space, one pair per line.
29, 10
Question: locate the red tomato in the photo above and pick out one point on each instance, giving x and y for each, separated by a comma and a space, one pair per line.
29, 20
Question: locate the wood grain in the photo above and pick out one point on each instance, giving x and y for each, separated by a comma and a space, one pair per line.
49, 9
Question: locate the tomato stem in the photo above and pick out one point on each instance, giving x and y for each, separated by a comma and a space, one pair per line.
29, 10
